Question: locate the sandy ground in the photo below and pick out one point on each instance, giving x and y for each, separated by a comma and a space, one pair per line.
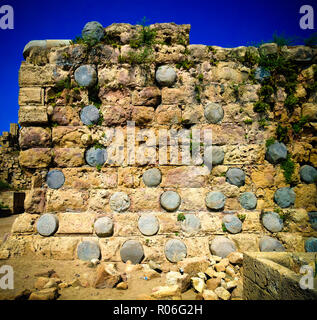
5, 224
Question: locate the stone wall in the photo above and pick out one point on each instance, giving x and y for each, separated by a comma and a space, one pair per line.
154, 78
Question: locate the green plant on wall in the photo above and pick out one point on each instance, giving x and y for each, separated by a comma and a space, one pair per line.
181, 217
288, 167
4, 185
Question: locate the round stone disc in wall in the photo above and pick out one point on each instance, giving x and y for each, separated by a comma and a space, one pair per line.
165, 76
132, 250
96, 156
119, 202
213, 112
175, 250
93, 30
269, 244
86, 76
313, 219
47, 224
152, 177
214, 155
276, 152
232, 223
311, 245
248, 200
222, 246
89, 115
170, 200
103, 227
191, 224
236, 176
284, 197
272, 221
308, 174
215, 200
148, 224
88, 250
55, 179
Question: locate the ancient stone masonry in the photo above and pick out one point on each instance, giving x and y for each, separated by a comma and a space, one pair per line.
94, 116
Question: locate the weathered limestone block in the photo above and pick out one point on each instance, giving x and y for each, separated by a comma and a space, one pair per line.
31, 137
29, 115
192, 114
245, 242
99, 200
111, 96
31, 96
306, 196
298, 53
171, 33
192, 199
69, 157
129, 177
24, 223
89, 178
48, 75
125, 224
173, 96
226, 72
66, 116
63, 200
149, 96
116, 115
35, 158
309, 110
145, 199
249, 154
168, 114
178, 177
198, 52
263, 176
35, 201
69, 137
72, 223
169, 54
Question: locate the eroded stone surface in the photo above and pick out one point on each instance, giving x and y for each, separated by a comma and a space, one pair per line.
248, 200
132, 250
232, 223
89, 115
191, 224
214, 112
119, 202
272, 221
148, 224
47, 225
55, 179
215, 200
269, 244
88, 250
103, 227
170, 200
93, 30
152, 177
222, 246
96, 156
276, 152
236, 176
165, 75
284, 197
175, 250
86, 76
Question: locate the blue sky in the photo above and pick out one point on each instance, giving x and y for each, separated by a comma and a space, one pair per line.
227, 23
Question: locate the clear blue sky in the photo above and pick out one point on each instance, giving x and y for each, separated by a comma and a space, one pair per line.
227, 23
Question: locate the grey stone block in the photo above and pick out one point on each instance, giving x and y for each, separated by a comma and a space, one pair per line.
308, 174
165, 76
236, 176
215, 200
311, 245
88, 250
152, 177
214, 155
47, 224
213, 112
222, 246
55, 179
272, 221
232, 223
148, 224
89, 115
96, 156
132, 250
276, 152
103, 227
175, 250
86, 76
313, 219
119, 202
269, 244
191, 224
284, 197
93, 30
248, 200
170, 200
261, 74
